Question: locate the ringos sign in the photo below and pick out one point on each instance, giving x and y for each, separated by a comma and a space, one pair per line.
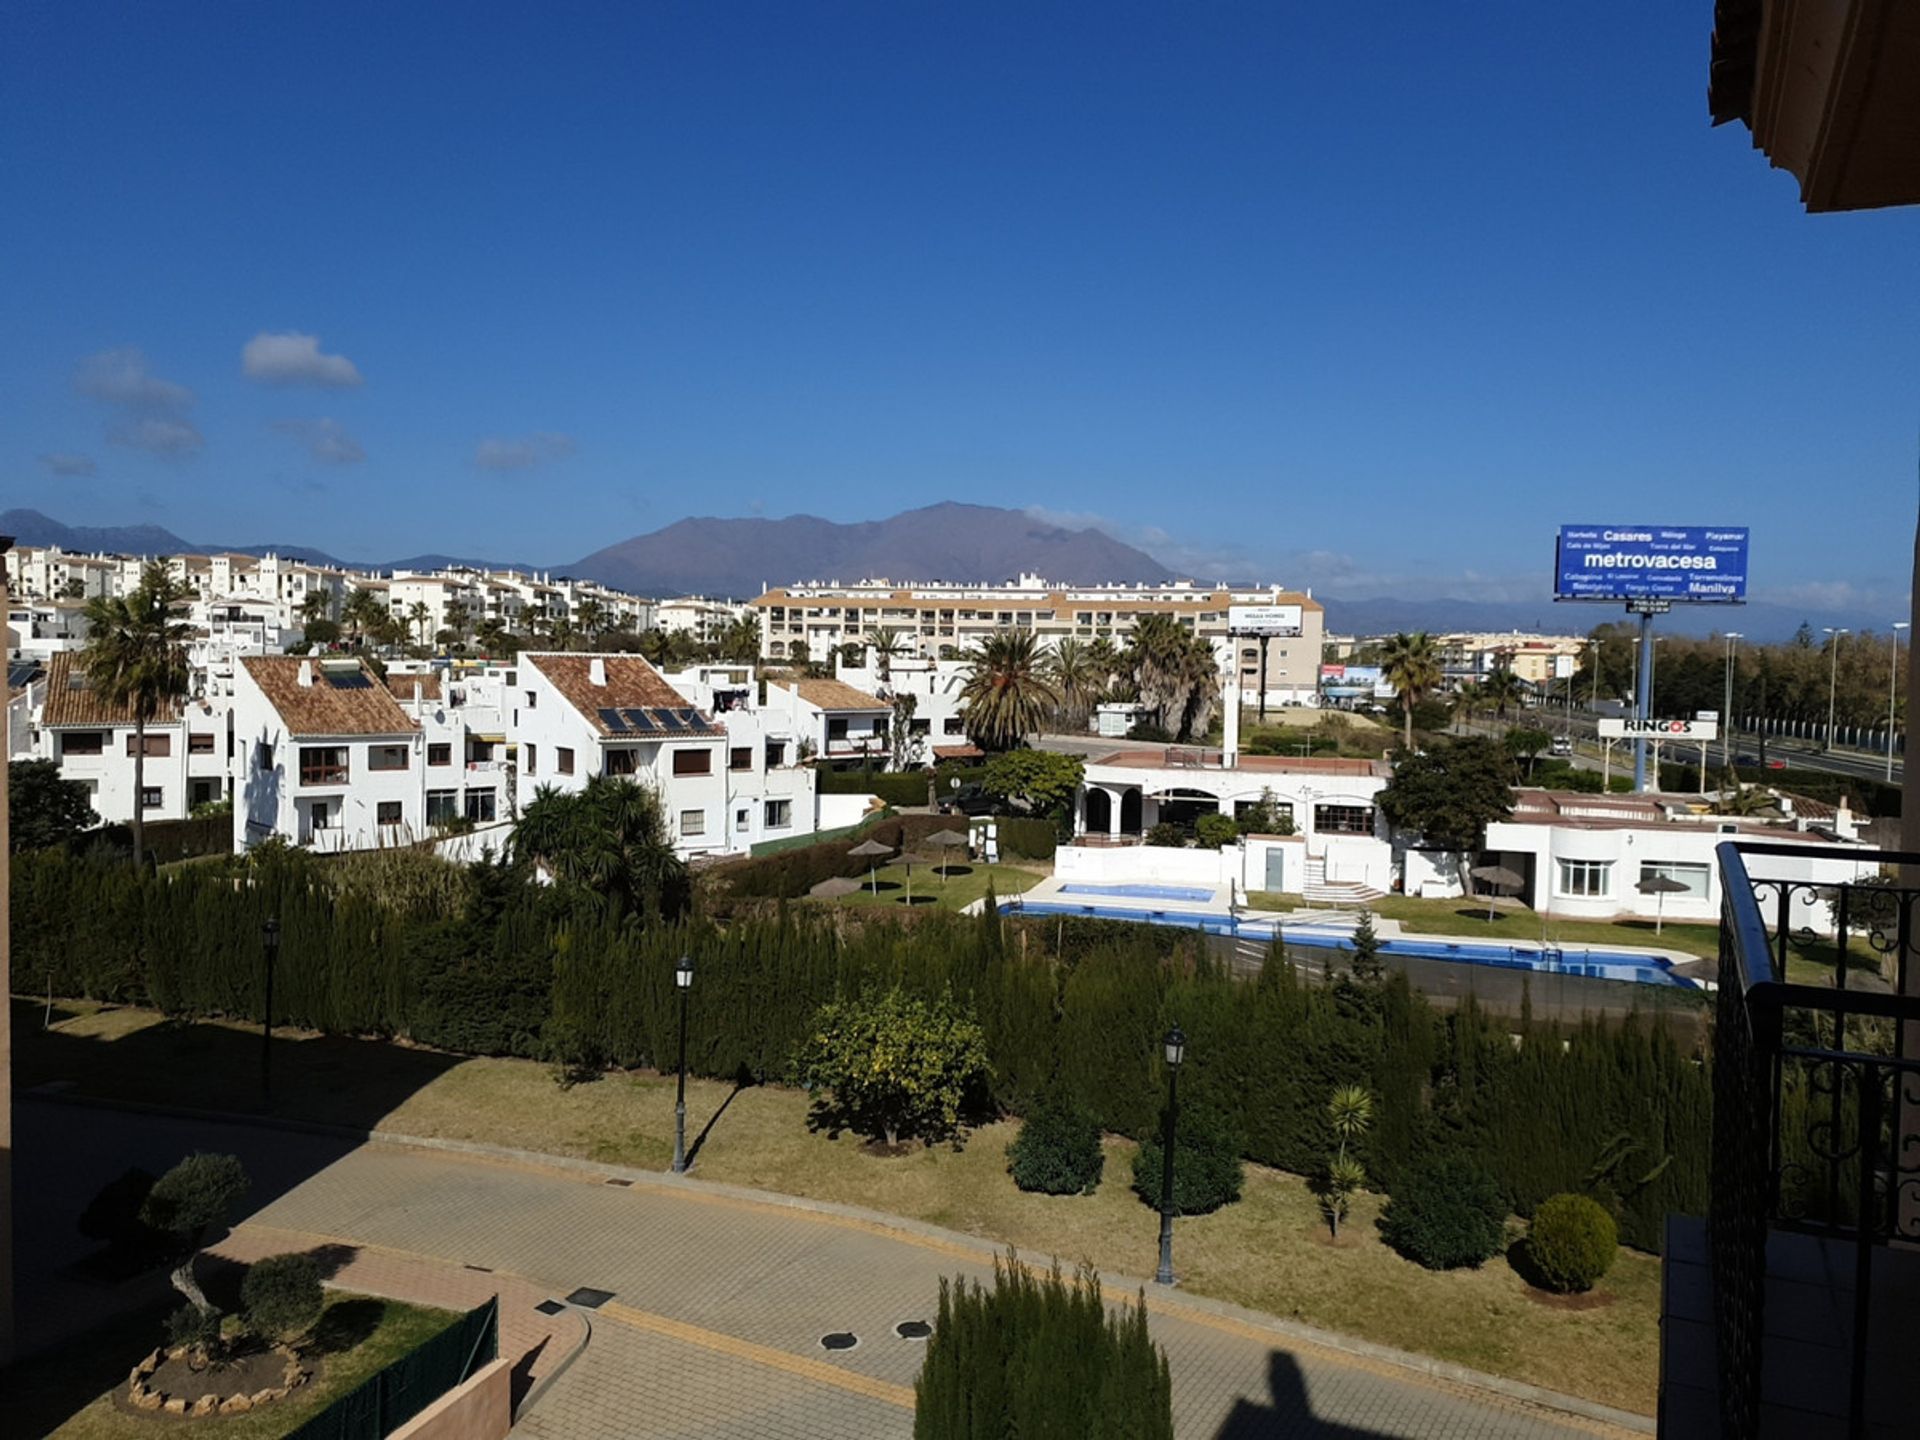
1659, 730
1686, 564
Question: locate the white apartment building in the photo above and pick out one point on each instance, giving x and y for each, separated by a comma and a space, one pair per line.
942, 621
46, 572
40, 629
468, 773
696, 615
1540, 660
840, 727
577, 716
771, 793
937, 729
324, 756
95, 742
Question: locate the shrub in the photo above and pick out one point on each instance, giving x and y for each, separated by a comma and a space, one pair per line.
193, 1327
1213, 831
1027, 839
113, 1216
280, 1297
895, 1064
1057, 1151
1038, 1356
1207, 1169
1445, 1214
1572, 1242
1167, 834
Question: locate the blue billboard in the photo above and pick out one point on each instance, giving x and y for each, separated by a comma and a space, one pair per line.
1686, 564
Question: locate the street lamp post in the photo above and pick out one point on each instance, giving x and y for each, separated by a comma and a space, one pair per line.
1893, 676
270, 953
1833, 676
683, 982
1176, 1047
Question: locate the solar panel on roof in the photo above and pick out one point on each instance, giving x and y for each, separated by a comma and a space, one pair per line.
348, 680
638, 720
611, 719
667, 720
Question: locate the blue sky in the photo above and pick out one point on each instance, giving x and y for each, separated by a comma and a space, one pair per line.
1369, 296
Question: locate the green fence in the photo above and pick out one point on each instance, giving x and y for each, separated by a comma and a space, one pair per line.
393, 1396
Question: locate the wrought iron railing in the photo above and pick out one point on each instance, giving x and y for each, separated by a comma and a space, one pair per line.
1816, 1089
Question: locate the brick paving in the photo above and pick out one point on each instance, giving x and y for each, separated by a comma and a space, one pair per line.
720, 1301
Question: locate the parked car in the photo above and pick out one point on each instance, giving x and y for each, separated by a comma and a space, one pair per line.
1563, 745
968, 800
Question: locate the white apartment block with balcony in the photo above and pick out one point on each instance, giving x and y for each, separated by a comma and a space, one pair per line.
771, 793
696, 615
942, 621
46, 572
575, 716
468, 773
324, 756
937, 729
41, 629
840, 727
95, 742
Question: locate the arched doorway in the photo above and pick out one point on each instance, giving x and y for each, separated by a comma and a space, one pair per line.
1099, 812
1130, 811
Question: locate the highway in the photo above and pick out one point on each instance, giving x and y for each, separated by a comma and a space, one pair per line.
1798, 754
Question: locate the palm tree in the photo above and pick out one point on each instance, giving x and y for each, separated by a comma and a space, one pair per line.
1077, 677
1413, 669
591, 618
608, 844
886, 643
1501, 689
740, 641
1007, 697
317, 606
136, 658
364, 610
562, 634
419, 617
1104, 657
1176, 671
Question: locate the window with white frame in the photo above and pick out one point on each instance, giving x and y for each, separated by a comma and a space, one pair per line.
743, 819
779, 814
693, 822
1586, 879
1693, 876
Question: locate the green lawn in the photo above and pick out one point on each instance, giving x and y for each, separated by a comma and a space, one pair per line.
69, 1392
967, 884
1267, 1252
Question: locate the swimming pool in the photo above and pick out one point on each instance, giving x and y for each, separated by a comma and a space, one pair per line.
1141, 892
1549, 959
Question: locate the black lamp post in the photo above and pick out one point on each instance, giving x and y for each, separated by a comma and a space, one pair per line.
270, 951
683, 982
1176, 1046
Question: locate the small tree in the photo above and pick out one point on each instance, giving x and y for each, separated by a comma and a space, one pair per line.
1266, 816
1526, 744
44, 808
1057, 1151
1207, 1169
1572, 1242
1037, 1356
1445, 1214
281, 1298
1040, 781
1451, 792
193, 1198
1213, 831
1349, 1115
895, 1064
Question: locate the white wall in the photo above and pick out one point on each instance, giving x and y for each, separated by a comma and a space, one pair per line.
836, 811
1122, 864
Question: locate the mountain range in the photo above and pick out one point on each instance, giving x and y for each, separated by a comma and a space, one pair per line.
949, 541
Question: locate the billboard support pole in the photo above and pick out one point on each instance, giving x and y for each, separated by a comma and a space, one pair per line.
1643, 699
1263, 677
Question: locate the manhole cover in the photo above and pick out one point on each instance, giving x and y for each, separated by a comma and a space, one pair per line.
550, 1307
913, 1329
839, 1340
588, 1298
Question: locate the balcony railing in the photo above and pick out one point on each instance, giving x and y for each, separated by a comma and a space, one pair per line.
1816, 1132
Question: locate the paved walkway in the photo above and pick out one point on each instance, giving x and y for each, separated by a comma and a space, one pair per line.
720, 1299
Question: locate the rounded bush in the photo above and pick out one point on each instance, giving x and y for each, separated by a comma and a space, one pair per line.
1207, 1169
1216, 830
1572, 1242
280, 1297
1057, 1151
1445, 1214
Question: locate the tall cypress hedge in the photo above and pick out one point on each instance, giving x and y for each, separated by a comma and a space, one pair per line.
1620, 1112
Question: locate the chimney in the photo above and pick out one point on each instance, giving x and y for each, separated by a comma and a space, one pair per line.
306, 674
417, 693
597, 672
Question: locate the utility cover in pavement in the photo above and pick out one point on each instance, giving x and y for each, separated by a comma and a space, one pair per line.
839, 1340
551, 1307
588, 1298
913, 1329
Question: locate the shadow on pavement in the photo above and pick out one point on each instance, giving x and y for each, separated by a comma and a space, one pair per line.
1290, 1412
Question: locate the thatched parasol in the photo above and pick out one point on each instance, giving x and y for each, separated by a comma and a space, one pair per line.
868, 850
946, 840
1663, 886
1497, 878
834, 888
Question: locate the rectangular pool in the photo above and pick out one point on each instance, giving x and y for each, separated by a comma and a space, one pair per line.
1142, 892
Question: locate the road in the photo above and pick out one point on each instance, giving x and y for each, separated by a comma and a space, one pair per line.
721, 1297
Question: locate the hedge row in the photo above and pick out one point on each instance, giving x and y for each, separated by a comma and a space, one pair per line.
789, 874
1023, 839
1070, 1008
906, 788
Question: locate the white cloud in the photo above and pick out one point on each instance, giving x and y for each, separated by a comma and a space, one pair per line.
326, 440
498, 453
153, 411
61, 462
295, 359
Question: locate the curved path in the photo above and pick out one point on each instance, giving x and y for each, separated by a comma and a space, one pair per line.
720, 1297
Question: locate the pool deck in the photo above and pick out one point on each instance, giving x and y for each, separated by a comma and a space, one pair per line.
1320, 922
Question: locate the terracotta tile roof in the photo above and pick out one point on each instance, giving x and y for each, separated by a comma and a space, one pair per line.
631, 684
957, 752
834, 695
71, 701
1179, 757
344, 698
402, 684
